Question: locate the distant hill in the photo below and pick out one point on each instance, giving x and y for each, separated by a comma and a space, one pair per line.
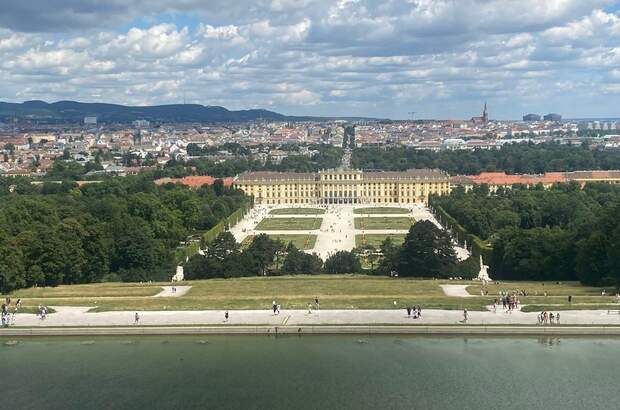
76, 111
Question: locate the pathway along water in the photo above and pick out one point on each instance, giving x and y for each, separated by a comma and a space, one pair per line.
321, 372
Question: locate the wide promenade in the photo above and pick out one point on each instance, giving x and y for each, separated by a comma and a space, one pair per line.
67, 316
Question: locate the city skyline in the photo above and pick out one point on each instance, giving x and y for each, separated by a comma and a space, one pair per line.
440, 59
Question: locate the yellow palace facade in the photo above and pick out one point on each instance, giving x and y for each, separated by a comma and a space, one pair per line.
343, 186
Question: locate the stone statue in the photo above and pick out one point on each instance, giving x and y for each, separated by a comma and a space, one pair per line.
179, 275
483, 275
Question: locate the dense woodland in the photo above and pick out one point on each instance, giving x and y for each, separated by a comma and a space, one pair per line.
119, 229
523, 158
562, 233
224, 258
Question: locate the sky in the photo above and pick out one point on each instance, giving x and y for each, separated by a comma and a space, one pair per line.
375, 58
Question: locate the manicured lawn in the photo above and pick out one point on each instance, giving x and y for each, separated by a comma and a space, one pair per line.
381, 210
289, 224
297, 211
303, 242
295, 292
375, 240
247, 241
539, 288
384, 222
113, 289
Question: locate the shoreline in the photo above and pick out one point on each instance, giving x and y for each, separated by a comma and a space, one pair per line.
268, 330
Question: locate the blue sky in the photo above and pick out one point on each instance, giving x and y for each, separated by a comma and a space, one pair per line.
441, 58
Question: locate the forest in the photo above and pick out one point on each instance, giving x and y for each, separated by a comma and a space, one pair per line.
561, 233
520, 158
119, 229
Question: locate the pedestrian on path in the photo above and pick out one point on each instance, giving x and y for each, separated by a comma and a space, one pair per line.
136, 319
226, 316
464, 315
316, 302
309, 308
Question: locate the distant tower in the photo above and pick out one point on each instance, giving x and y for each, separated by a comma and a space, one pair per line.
485, 114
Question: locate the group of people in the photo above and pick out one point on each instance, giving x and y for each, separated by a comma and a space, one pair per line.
509, 302
548, 318
42, 311
8, 317
414, 312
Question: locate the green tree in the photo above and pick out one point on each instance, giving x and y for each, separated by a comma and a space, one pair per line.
343, 262
426, 252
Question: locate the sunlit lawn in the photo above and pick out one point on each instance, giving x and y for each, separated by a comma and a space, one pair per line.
381, 210
300, 241
375, 240
386, 222
295, 292
297, 211
289, 224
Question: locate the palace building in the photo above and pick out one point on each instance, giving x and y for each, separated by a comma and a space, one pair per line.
343, 186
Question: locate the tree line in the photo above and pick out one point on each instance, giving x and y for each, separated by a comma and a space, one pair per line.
520, 158
426, 252
118, 229
561, 233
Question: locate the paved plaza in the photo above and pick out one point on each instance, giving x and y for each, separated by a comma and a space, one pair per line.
337, 231
79, 316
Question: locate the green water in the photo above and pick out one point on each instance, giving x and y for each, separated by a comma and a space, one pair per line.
335, 372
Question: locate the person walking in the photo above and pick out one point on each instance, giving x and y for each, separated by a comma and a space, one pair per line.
309, 308
136, 319
274, 306
226, 316
408, 311
316, 302
464, 315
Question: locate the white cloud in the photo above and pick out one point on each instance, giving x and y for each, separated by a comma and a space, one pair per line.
319, 56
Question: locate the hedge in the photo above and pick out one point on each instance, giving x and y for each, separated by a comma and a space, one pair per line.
478, 246
231, 220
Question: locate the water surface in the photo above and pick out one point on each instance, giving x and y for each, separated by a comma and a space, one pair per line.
331, 372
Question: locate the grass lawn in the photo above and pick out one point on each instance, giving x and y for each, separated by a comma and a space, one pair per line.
295, 292
289, 224
247, 241
112, 289
297, 211
539, 288
303, 242
375, 240
381, 210
384, 222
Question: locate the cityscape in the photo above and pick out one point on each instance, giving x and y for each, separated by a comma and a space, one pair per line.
314, 204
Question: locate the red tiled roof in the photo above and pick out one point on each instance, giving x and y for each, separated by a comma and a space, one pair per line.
501, 178
194, 181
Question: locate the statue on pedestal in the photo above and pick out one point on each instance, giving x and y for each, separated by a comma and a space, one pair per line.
483, 275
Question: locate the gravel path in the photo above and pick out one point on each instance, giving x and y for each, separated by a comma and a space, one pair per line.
168, 293
337, 231
456, 290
